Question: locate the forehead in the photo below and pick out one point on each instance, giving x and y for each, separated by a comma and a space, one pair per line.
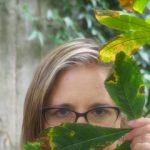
81, 86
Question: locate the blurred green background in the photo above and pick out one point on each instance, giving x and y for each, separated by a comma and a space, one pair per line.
28, 30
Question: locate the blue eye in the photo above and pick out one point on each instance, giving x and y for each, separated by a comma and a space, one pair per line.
62, 112
100, 111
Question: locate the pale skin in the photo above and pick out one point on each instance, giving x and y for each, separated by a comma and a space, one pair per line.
82, 87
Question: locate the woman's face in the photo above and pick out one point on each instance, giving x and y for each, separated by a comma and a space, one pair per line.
81, 88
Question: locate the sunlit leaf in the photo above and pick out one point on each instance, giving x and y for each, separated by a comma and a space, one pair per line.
83, 136
131, 5
119, 21
124, 146
139, 5
148, 20
125, 86
127, 4
128, 43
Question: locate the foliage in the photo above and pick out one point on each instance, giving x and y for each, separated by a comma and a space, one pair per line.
136, 33
124, 85
121, 21
76, 19
143, 62
75, 136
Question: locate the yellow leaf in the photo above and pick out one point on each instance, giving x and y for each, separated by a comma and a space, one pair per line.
127, 43
105, 13
127, 4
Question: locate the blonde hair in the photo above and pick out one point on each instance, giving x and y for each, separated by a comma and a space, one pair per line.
79, 51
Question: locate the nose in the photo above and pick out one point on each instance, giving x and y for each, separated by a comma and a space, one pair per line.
81, 119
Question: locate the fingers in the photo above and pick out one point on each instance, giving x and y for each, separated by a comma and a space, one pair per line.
141, 143
141, 146
138, 122
140, 134
140, 139
138, 131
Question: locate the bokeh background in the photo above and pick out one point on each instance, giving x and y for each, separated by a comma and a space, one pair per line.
28, 30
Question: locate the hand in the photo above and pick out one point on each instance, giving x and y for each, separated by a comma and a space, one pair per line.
140, 135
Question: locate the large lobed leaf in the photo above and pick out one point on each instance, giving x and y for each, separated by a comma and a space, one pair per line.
125, 86
75, 137
83, 136
120, 21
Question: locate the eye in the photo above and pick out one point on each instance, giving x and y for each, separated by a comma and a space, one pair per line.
100, 111
62, 112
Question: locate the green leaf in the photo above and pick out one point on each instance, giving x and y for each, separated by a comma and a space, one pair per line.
124, 146
148, 20
128, 43
119, 21
32, 146
147, 109
125, 86
83, 136
139, 5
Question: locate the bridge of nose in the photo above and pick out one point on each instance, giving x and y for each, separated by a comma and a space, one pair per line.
81, 119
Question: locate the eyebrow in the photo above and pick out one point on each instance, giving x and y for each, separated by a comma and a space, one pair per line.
68, 105
99, 105
64, 105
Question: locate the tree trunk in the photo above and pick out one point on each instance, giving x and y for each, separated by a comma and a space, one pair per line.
18, 59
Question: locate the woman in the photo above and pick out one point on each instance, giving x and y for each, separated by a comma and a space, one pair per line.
68, 86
